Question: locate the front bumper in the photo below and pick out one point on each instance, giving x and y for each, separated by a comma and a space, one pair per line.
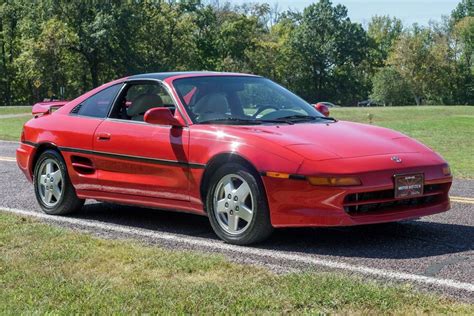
297, 203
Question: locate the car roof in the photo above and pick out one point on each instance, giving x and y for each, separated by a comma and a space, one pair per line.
166, 75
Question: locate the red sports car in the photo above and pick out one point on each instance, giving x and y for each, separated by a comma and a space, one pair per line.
237, 148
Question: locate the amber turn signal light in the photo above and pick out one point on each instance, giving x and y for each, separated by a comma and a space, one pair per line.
446, 170
278, 175
334, 181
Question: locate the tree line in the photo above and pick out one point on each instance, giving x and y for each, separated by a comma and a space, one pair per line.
64, 48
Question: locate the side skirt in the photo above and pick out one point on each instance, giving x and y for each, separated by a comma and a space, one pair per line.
162, 204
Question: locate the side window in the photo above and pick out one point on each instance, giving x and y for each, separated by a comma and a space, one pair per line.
138, 98
99, 104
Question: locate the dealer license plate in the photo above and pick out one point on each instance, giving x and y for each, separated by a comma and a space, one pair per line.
409, 185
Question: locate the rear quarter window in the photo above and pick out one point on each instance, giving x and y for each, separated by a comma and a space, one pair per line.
99, 104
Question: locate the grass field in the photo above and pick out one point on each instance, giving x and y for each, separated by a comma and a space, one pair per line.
44, 269
14, 109
447, 129
10, 128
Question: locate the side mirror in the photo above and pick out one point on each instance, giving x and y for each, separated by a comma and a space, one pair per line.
323, 109
161, 116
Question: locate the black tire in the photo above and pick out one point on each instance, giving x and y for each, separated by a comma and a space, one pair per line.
259, 228
68, 202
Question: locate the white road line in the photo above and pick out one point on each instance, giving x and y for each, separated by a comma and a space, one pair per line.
9, 141
10, 159
217, 245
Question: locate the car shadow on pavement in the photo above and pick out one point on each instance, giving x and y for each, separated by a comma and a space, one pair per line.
402, 240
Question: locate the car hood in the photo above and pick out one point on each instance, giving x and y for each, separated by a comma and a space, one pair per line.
321, 141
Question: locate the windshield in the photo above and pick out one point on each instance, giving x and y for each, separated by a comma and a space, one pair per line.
241, 100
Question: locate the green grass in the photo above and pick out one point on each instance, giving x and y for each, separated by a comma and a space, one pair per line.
10, 128
45, 269
14, 109
447, 129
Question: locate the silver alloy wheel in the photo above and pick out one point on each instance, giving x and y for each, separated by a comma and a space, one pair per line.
234, 204
50, 182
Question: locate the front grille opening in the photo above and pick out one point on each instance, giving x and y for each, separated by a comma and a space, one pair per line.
384, 201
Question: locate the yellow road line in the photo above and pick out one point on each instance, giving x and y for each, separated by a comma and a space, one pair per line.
461, 199
11, 159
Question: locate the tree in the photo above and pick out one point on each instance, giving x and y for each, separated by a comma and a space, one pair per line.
390, 88
47, 59
464, 33
463, 9
319, 53
383, 31
10, 17
205, 39
327, 47
463, 78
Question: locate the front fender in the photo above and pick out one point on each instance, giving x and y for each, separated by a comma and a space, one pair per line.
206, 143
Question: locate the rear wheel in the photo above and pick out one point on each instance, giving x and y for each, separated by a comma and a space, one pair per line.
53, 189
237, 206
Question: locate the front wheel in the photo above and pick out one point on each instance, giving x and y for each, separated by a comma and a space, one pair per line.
237, 206
53, 189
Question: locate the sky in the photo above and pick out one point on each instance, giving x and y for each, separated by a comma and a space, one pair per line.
409, 11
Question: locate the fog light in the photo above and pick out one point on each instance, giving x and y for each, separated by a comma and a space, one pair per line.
447, 170
334, 181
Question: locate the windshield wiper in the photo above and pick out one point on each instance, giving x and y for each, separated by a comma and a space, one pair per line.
230, 119
302, 118
277, 121
327, 118
244, 121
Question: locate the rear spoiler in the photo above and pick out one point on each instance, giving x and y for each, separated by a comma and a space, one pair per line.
43, 108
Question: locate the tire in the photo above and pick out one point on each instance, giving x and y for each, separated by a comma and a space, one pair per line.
228, 206
53, 189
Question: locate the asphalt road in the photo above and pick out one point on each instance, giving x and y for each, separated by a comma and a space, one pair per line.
439, 247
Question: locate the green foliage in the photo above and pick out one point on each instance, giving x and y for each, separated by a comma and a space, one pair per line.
390, 88
52, 46
327, 48
463, 9
383, 31
424, 60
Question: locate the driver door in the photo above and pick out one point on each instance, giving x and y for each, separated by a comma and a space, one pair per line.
139, 159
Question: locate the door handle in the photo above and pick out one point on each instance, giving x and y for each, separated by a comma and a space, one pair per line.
103, 136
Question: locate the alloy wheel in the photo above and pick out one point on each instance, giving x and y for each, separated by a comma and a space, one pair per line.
234, 204
50, 182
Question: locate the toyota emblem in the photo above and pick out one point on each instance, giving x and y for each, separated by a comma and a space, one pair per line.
396, 159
